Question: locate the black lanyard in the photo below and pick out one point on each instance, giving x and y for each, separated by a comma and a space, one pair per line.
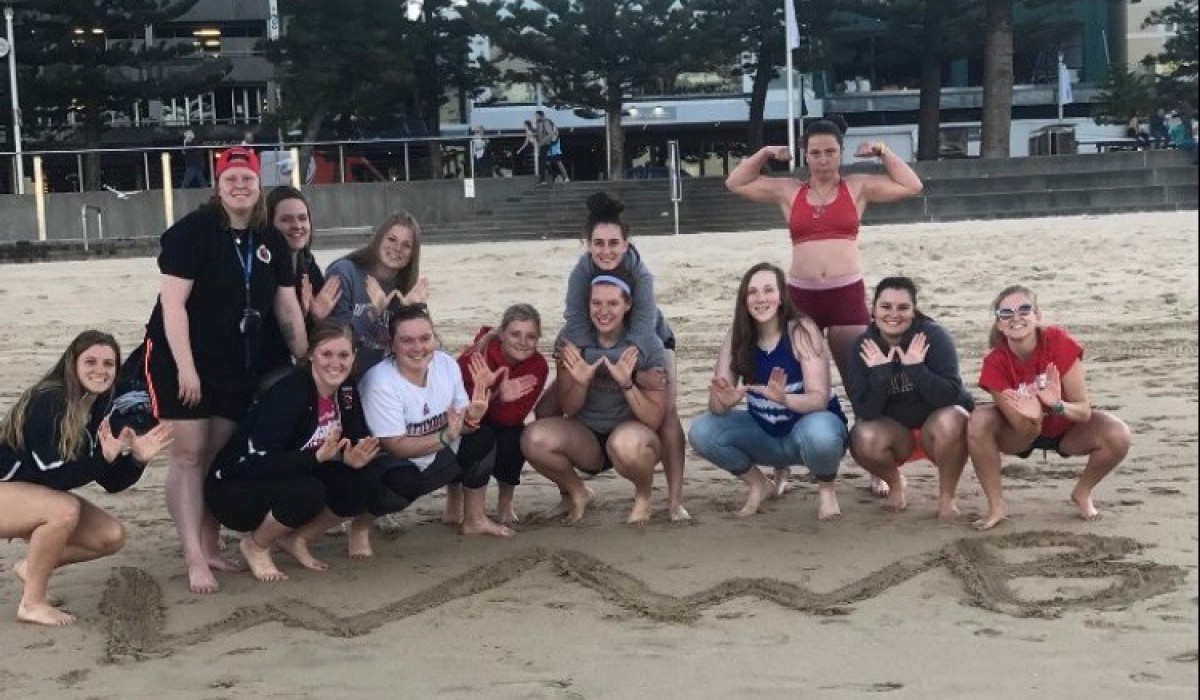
247, 262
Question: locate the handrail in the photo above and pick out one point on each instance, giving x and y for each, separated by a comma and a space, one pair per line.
83, 212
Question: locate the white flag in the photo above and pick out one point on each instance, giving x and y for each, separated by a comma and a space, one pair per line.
793, 29
1065, 97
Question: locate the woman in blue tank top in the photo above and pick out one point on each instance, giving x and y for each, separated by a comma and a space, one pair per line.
772, 357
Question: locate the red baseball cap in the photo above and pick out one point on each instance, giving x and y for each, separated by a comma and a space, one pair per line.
237, 157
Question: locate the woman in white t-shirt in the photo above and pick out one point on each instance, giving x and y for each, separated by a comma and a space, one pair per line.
415, 403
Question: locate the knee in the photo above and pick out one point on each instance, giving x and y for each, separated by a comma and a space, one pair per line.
633, 451
111, 539
63, 512
983, 424
824, 434
536, 440
702, 434
1117, 436
868, 439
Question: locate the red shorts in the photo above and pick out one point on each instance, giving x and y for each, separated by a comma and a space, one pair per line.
918, 452
840, 306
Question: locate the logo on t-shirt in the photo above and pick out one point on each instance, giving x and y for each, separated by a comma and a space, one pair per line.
264, 254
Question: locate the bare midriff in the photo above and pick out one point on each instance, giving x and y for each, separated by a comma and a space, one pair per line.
819, 261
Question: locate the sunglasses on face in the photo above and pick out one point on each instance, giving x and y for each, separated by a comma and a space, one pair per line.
1004, 314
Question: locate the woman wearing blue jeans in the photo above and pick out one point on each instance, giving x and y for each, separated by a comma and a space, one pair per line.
774, 358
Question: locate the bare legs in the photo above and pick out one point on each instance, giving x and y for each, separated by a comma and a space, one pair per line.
881, 446
1105, 440
194, 445
841, 344
256, 548
61, 529
674, 445
989, 434
635, 449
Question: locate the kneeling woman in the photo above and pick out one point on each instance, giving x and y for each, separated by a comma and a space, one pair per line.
774, 358
613, 401
417, 406
56, 438
1035, 375
908, 396
298, 464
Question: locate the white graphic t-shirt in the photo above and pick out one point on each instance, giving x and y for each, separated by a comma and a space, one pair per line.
395, 407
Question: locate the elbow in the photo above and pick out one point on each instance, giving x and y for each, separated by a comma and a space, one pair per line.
917, 187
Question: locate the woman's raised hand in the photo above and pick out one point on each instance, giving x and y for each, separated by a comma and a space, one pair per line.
145, 446
872, 356
1049, 393
1023, 403
775, 389
454, 423
726, 393
918, 348
782, 153
361, 453
331, 446
622, 370
111, 446
577, 367
321, 305
379, 298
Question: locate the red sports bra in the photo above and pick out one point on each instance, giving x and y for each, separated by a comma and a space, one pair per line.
836, 220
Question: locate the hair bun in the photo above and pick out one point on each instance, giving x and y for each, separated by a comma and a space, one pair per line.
601, 206
839, 121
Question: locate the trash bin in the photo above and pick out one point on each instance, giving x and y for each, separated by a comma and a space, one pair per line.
1053, 141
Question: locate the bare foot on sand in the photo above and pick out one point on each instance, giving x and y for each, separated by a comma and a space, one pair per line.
947, 509
640, 513
220, 562
676, 513
43, 614
259, 559
781, 482
827, 503
897, 499
508, 516
452, 515
358, 537
1083, 501
993, 518
879, 487
201, 579
298, 548
572, 506
486, 526
759, 492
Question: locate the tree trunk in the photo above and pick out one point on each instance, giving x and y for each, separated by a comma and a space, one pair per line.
767, 58
93, 173
616, 138
997, 79
929, 115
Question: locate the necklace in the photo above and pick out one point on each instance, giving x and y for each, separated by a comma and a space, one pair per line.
825, 198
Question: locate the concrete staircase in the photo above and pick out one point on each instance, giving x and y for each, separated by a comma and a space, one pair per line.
954, 190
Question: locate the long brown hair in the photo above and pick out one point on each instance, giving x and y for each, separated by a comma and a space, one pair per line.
367, 257
743, 337
281, 194
995, 337
64, 376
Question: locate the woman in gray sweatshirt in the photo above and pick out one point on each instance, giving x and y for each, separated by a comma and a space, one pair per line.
908, 396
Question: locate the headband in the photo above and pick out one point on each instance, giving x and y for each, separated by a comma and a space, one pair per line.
614, 281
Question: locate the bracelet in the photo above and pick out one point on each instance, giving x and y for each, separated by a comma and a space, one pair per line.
1059, 408
879, 148
625, 387
442, 438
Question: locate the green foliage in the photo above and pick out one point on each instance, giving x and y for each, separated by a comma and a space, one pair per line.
1124, 94
1179, 57
66, 68
364, 58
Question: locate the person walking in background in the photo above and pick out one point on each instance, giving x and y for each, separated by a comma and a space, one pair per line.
195, 163
551, 150
1158, 128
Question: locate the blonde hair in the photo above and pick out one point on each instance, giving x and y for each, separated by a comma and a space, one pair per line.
367, 257
64, 376
995, 337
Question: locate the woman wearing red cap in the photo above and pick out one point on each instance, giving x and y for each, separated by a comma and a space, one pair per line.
224, 269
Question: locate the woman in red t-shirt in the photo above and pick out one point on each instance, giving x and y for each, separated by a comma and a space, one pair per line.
1035, 375
507, 360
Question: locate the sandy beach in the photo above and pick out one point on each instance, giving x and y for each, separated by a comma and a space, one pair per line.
773, 606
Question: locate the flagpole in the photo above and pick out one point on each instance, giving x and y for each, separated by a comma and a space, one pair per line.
791, 106
1058, 94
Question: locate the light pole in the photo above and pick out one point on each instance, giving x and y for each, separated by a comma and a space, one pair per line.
11, 49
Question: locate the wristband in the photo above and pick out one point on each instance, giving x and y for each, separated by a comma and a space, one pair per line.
1059, 408
625, 387
442, 438
879, 148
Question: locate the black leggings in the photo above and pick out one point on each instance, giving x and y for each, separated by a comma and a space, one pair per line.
242, 504
405, 482
506, 440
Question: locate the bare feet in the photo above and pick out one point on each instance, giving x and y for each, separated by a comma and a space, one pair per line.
760, 490
486, 526
640, 513
827, 502
947, 510
298, 548
358, 536
677, 513
220, 562
1083, 501
781, 483
43, 614
259, 559
572, 506
508, 515
897, 499
994, 517
201, 580
879, 487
